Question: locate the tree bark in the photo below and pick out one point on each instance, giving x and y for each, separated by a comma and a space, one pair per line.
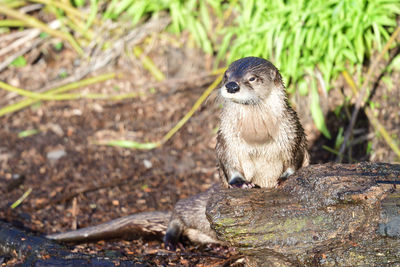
40, 251
328, 215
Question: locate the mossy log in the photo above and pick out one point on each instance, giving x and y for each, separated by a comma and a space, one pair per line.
324, 215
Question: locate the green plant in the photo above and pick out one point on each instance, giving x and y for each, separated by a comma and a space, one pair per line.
310, 41
191, 15
299, 36
303, 38
19, 62
79, 3
306, 37
27, 133
58, 46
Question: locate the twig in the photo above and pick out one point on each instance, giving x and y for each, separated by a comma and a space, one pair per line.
362, 139
175, 84
26, 37
174, 130
15, 35
30, 8
62, 6
196, 105
21, 41
27, 102
363, 93
379, 127
101, 58
10, 59
98, 60
72, 22
44, 96
148, 64
22, 198
375, 123
33, 22
74, 212
80, 27
11, 23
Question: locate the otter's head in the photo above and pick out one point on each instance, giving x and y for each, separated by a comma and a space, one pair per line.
250, 80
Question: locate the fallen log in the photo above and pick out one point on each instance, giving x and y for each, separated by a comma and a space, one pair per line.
39, 251
324, 215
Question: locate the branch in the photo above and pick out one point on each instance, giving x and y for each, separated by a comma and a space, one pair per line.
33, 22
360, 102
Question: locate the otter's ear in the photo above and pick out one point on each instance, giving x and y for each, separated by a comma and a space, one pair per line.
276, 77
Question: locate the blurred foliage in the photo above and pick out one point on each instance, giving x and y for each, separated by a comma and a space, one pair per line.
303, 38
19, 62
298, 36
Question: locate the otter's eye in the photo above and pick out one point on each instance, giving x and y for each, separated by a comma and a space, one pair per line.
252, 79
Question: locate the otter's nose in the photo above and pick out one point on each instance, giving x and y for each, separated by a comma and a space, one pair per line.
232, 87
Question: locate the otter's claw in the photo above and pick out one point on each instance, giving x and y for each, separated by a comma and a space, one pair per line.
172, 244
239, 182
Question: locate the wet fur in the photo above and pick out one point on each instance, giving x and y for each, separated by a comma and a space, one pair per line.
189, 219
260, 138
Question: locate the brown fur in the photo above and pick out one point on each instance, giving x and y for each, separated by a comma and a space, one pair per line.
260, 138
189, 220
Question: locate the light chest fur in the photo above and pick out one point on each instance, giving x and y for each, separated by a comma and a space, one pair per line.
260, 139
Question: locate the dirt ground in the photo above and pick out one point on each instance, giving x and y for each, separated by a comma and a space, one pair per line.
62, 159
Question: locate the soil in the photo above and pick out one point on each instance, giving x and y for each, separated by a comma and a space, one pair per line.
62, 159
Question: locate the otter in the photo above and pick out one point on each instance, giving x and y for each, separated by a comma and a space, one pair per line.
260, 141
189, 220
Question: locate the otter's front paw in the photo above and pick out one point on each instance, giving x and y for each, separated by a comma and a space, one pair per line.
239, 182
172, 243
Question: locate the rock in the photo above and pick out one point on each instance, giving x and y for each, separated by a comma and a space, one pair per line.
55, 155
